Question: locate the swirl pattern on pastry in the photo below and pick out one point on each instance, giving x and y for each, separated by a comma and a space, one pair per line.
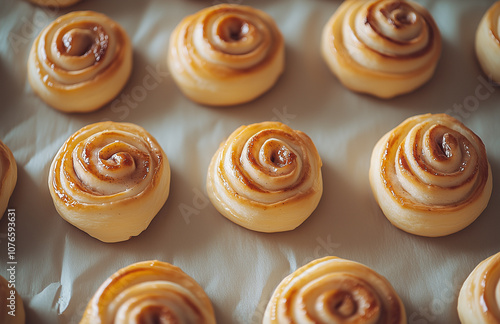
479, 298
149, 292
266, 177
80, 61
55, 3
334, 290
381, 47
226, 54
487, 42
8, 176
110, 180
430, 175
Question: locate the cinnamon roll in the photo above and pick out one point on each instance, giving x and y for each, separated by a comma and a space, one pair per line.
430, 175
110, 180
381, 47
479, 298
8, 176
149, 292
487, 43
55, 3
266, 177
80, 61
334, 290
11, 304
226, 54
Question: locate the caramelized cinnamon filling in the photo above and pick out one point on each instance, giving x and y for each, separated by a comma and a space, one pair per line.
399, 14
447, 145
233, 29
282, 157
78, 41
156, 315
345, 307
403, 17
121, 158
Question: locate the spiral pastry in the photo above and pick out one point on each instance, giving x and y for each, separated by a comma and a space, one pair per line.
266, 177
80, 61
110, 180
430, 175
226, 54
479, 298
8, 176
381, 47
55, 3
149, 292
334, 290
488, 42
11, 304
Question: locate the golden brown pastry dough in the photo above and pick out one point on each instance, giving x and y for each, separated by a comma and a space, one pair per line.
80, 61
334, 290
149, 292
8, 176
11, 304
381, 47
226, 54
430, 175
479, 298
110, 180
488, 42
55, 3
266, 177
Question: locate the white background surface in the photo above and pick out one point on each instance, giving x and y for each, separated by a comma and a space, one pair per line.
60, 267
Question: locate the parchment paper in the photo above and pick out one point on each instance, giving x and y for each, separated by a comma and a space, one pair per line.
60, 267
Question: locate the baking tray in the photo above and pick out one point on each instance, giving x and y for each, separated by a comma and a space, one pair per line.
59, 267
